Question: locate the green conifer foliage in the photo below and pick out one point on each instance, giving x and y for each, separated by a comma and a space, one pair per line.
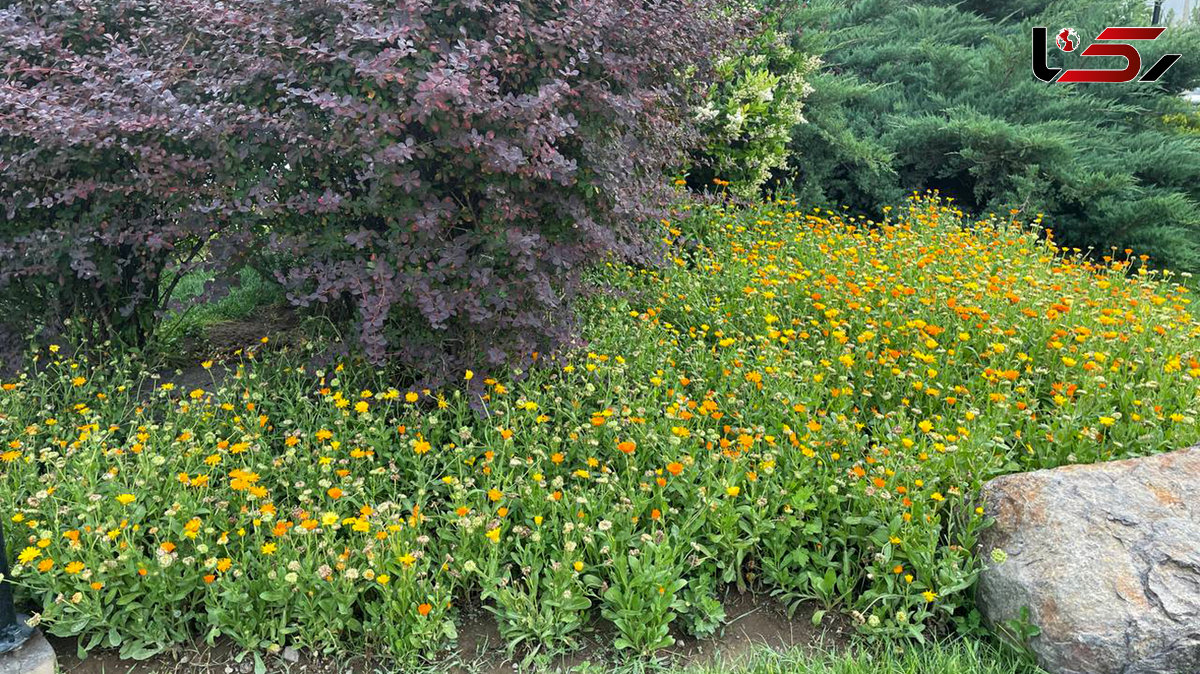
940, 95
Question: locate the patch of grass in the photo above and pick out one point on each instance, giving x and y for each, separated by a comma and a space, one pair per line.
953, 657
252, 293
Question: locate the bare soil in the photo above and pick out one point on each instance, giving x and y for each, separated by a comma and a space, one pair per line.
754, 622
219, 341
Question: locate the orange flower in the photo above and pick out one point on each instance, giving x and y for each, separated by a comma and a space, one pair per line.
627, 446
674, 468
335, 493
424, 609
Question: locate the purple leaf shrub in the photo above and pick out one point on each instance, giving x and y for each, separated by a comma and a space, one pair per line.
446, 168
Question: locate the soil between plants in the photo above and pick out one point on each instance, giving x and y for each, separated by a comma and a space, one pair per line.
753, 622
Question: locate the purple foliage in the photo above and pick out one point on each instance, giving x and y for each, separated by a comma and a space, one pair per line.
447, 167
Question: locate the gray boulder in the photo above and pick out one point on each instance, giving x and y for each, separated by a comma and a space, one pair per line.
1107, 559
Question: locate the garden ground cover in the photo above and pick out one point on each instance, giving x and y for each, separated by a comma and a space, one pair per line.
805, 405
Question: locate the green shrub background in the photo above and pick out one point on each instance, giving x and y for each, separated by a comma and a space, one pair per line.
940, 95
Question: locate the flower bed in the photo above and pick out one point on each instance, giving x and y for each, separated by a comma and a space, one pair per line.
804, 405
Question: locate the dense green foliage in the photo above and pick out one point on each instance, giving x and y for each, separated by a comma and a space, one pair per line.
939, 94
804, 405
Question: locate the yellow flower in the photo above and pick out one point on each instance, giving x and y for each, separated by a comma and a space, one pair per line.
126, 499
411, 396
469, 375
493, 535
73, 568
929, 595
733, 491
579, 566
1107, 421
383, 579
28, 555
268, 548
937, 496
361, 407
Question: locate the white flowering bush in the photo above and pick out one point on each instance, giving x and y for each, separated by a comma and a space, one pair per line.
748, 118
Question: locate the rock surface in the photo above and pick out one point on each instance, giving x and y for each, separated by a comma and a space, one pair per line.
1107, 559
36, 656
